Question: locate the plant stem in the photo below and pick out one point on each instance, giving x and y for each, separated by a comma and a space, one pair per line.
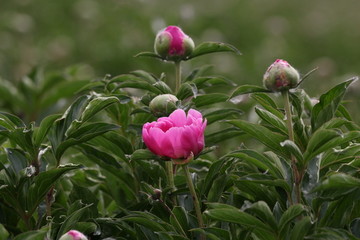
195, 198
170, 175
296, 174
177, 76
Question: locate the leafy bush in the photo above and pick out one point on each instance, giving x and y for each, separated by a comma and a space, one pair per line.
284, 169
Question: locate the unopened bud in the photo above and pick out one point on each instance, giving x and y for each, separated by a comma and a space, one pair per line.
156, 195
173, 44
73, 235
281, 76
163, 105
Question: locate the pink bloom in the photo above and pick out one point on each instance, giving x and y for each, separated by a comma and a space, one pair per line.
177, 136
173, 44
73, 235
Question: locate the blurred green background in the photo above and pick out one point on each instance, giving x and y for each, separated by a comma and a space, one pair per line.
105, 35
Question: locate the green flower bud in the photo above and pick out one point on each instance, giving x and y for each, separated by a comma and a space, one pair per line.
281, 76
163, 105
173, 44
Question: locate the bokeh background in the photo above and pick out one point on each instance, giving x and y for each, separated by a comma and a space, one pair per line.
104, 35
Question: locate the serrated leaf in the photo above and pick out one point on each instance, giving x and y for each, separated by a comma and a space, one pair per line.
208, 99
212, 47
328, 104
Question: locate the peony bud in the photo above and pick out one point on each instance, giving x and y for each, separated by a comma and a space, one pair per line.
173, 44
163, 105
73, 235
281, 76
178, 136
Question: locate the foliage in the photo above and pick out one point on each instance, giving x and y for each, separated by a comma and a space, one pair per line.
88, 169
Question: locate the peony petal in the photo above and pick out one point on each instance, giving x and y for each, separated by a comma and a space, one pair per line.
178, 117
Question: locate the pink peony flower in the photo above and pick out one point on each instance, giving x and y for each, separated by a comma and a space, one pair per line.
281, 76
177, 136
172, 43
73, 235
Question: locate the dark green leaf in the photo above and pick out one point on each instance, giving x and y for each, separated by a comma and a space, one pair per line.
71, 220
262, 211
43, 183
211, 47
260, 229
224, 134
272, 119
268, 138
328, 104
301, 228
45, 125
33, 235
208, 99
293, 149
288, 216
182, 217
143, 154
187, 90
245, 89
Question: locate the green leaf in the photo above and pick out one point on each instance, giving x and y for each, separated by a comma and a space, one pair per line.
268, 138
83, 134
208, 99
71, 220
262, 211
143, 154
202, 82
293, 149
224, 134
267, 180
163, 87
260, 229
328, 104
266, 102
211, 47
221, 114
245, 89
96, 105
33, 235
12, 120
301, 228
41, 132
187, 90
288, 216
182, 217
337, 185
43, 183
272, 119
336, 140
150, 78
148, 54
213, 233
4, 234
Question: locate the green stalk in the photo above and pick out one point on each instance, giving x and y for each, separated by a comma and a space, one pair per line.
170, 174
195, 199
177, 76
296, 174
